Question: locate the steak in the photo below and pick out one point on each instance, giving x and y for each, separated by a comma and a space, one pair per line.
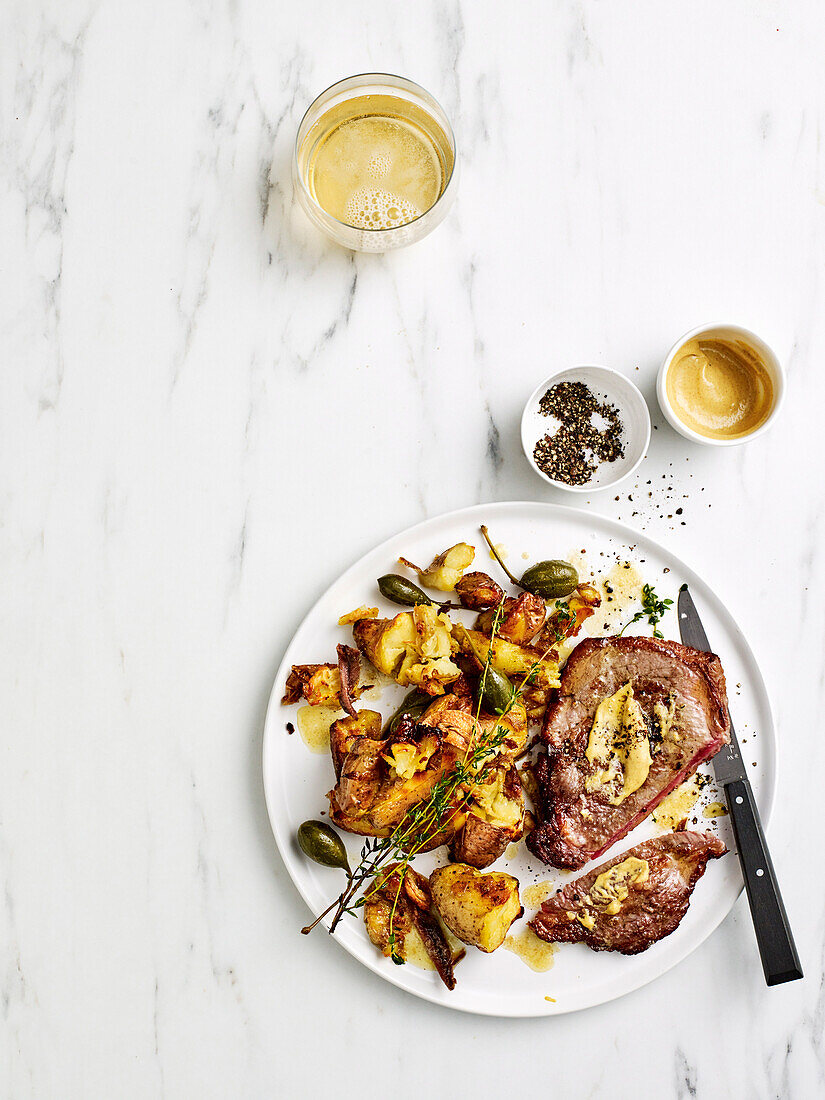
638, 907
580, 820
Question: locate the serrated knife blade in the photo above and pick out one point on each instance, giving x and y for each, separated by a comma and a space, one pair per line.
727, 763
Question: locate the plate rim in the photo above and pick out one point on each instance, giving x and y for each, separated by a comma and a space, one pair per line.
689, 574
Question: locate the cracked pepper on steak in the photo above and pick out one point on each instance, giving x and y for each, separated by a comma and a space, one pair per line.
654, 905
579, 825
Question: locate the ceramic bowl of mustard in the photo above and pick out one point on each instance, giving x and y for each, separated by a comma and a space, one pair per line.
720, 385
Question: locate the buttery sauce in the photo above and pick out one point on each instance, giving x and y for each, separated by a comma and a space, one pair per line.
612, 887
620, 589
314, 725
719, 386
673, 809
715, 809
415, 953
532, 951
533, 896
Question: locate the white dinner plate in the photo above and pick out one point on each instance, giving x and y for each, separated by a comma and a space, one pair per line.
296, 780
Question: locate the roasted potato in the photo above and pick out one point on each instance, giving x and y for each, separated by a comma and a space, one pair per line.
495, 817
320, 685
414, 648
478, 843
520, 621
381, 778
567, 620
444, 572
513, 660
478, 908
385, 641
477, 592
400, 922
515, 723
346, 732
358, 613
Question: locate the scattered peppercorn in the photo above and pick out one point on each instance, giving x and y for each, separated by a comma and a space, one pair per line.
574, 452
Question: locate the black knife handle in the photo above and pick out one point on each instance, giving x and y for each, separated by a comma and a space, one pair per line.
773, 933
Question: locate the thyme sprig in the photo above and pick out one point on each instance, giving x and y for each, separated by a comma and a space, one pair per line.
652, 608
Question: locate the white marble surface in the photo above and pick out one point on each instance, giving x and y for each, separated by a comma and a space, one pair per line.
206, 412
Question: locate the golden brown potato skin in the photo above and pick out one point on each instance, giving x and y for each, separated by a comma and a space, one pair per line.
521, 619
403, 905
319, 685
492, 822
444, 572
513, 660
479, 843
414, 648
477, 592
478, 908
580, 606
371, 797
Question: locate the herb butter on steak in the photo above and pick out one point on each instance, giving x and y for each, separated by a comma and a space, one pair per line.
633, 900
673, 717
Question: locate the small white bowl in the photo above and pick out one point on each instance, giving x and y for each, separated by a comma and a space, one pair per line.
608, 385
772, 365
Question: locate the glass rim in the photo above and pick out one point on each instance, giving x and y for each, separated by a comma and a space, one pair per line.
357, 228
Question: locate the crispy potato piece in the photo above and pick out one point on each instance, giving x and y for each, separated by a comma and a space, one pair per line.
346, 732
515, 722
499, 800
495, 817
414, 648
477, 592
566, 622
320, 685
380, 778
513, 660
358, 613
445, 571
479, 843
478, 908
522, 618
385, 641
405, 909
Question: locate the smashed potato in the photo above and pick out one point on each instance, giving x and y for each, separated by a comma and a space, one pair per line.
568, 619
477, 592
399, 920
380, 778
445, 571
513, 660
358, 613
414, 648
495, 818
320, 685
478, 908
521, 619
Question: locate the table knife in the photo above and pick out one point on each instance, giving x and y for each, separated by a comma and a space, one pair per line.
773, 933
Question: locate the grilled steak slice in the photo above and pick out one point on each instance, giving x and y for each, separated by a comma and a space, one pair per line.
633, 900
681, 698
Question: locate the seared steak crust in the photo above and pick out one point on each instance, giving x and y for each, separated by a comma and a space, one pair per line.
578, 825
652, 909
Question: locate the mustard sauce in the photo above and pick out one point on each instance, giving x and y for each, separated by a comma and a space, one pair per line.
719, 387
314, 725
533, 952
